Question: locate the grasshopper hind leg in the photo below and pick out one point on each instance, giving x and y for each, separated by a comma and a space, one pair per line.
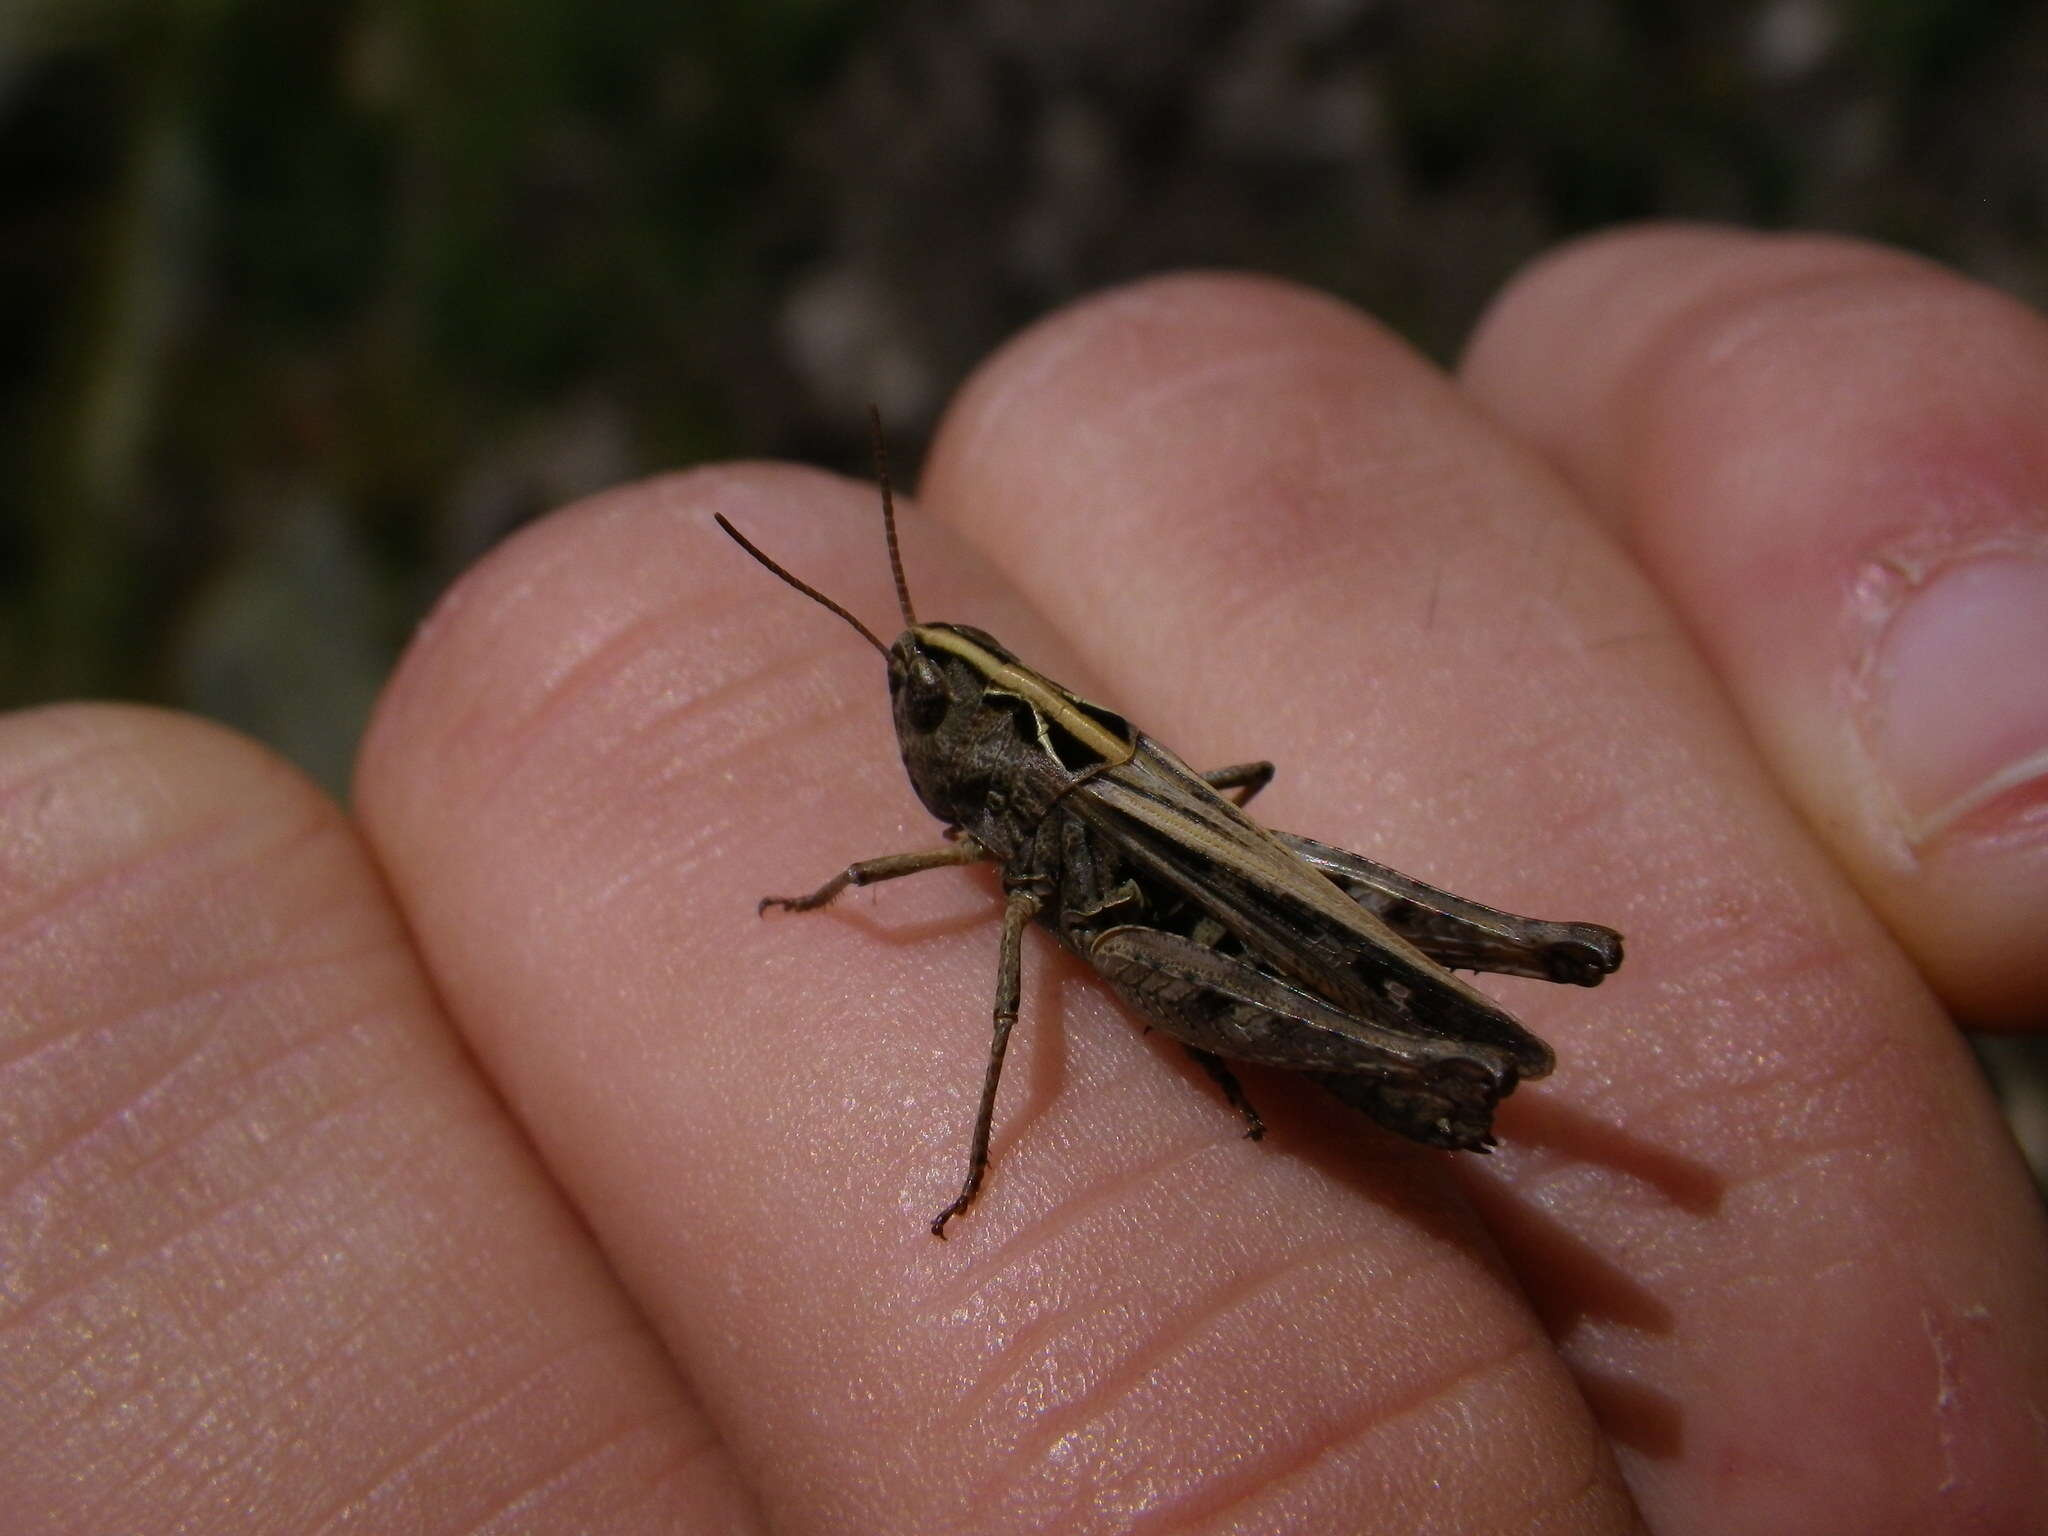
1433, 1088
1233, 1090
1246, 778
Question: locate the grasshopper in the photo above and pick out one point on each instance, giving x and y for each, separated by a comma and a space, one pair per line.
1243, 943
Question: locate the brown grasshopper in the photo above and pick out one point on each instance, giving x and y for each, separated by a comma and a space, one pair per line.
1243, 943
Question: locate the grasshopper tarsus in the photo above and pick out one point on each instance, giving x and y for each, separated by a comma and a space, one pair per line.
810, 903
814, 900
1585, 960
968, 1190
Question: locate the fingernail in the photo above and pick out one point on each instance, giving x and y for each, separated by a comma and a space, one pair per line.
1961, 684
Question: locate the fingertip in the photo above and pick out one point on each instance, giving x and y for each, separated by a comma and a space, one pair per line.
1828, 455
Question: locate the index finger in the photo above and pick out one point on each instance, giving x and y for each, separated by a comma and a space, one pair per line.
606, 746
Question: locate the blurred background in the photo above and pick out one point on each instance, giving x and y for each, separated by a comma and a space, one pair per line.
308, 302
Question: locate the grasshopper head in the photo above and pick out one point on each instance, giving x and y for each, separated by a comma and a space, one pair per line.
949, 728
923, 687
971, 718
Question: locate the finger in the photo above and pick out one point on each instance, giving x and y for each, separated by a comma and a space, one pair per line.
1830, 457
271, 1256
616, 736
1736, 1202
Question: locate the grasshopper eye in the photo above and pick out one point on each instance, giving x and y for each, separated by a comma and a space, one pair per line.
922, 687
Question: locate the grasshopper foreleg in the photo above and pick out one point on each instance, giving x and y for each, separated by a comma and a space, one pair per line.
892, 866
1023, 905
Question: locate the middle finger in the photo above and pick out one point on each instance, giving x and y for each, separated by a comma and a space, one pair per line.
1735, 1203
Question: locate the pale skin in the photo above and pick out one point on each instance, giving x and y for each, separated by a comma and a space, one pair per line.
483, 1161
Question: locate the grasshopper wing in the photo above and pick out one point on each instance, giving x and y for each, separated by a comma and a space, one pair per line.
1292, 920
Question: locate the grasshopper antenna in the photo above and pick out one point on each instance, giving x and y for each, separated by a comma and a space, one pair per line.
889, 515
803, 586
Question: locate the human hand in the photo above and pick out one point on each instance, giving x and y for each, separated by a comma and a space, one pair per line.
647, 1249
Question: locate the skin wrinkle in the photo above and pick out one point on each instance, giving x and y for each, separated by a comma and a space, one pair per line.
1639, 395
1021, 367
203, 1219
1644, 1249
307, 1375
398, 1472
1188, 1317
262, 1022
142, 787
704, 833
1347, 511
17, 932
633, 650
1742, 953
529, 1379
751, 684
1276, 611
1076, 1209
1351, 493
1020, 370
1802, 1153
1232, 375
484, 601
288, 1385
206, 1413
804, 727
134, 1094
1356, 1430
516, 733
800, 720
1702, 1080
276, 1268
1023, 1244
1112, 1387
683, 848
736, 1501
1587, 1492
707, 1450
491, 605
209, 1221
1718, 335
35, 1160
1790, 1082
236, 1121
1269, 610
25, 829
58, 762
